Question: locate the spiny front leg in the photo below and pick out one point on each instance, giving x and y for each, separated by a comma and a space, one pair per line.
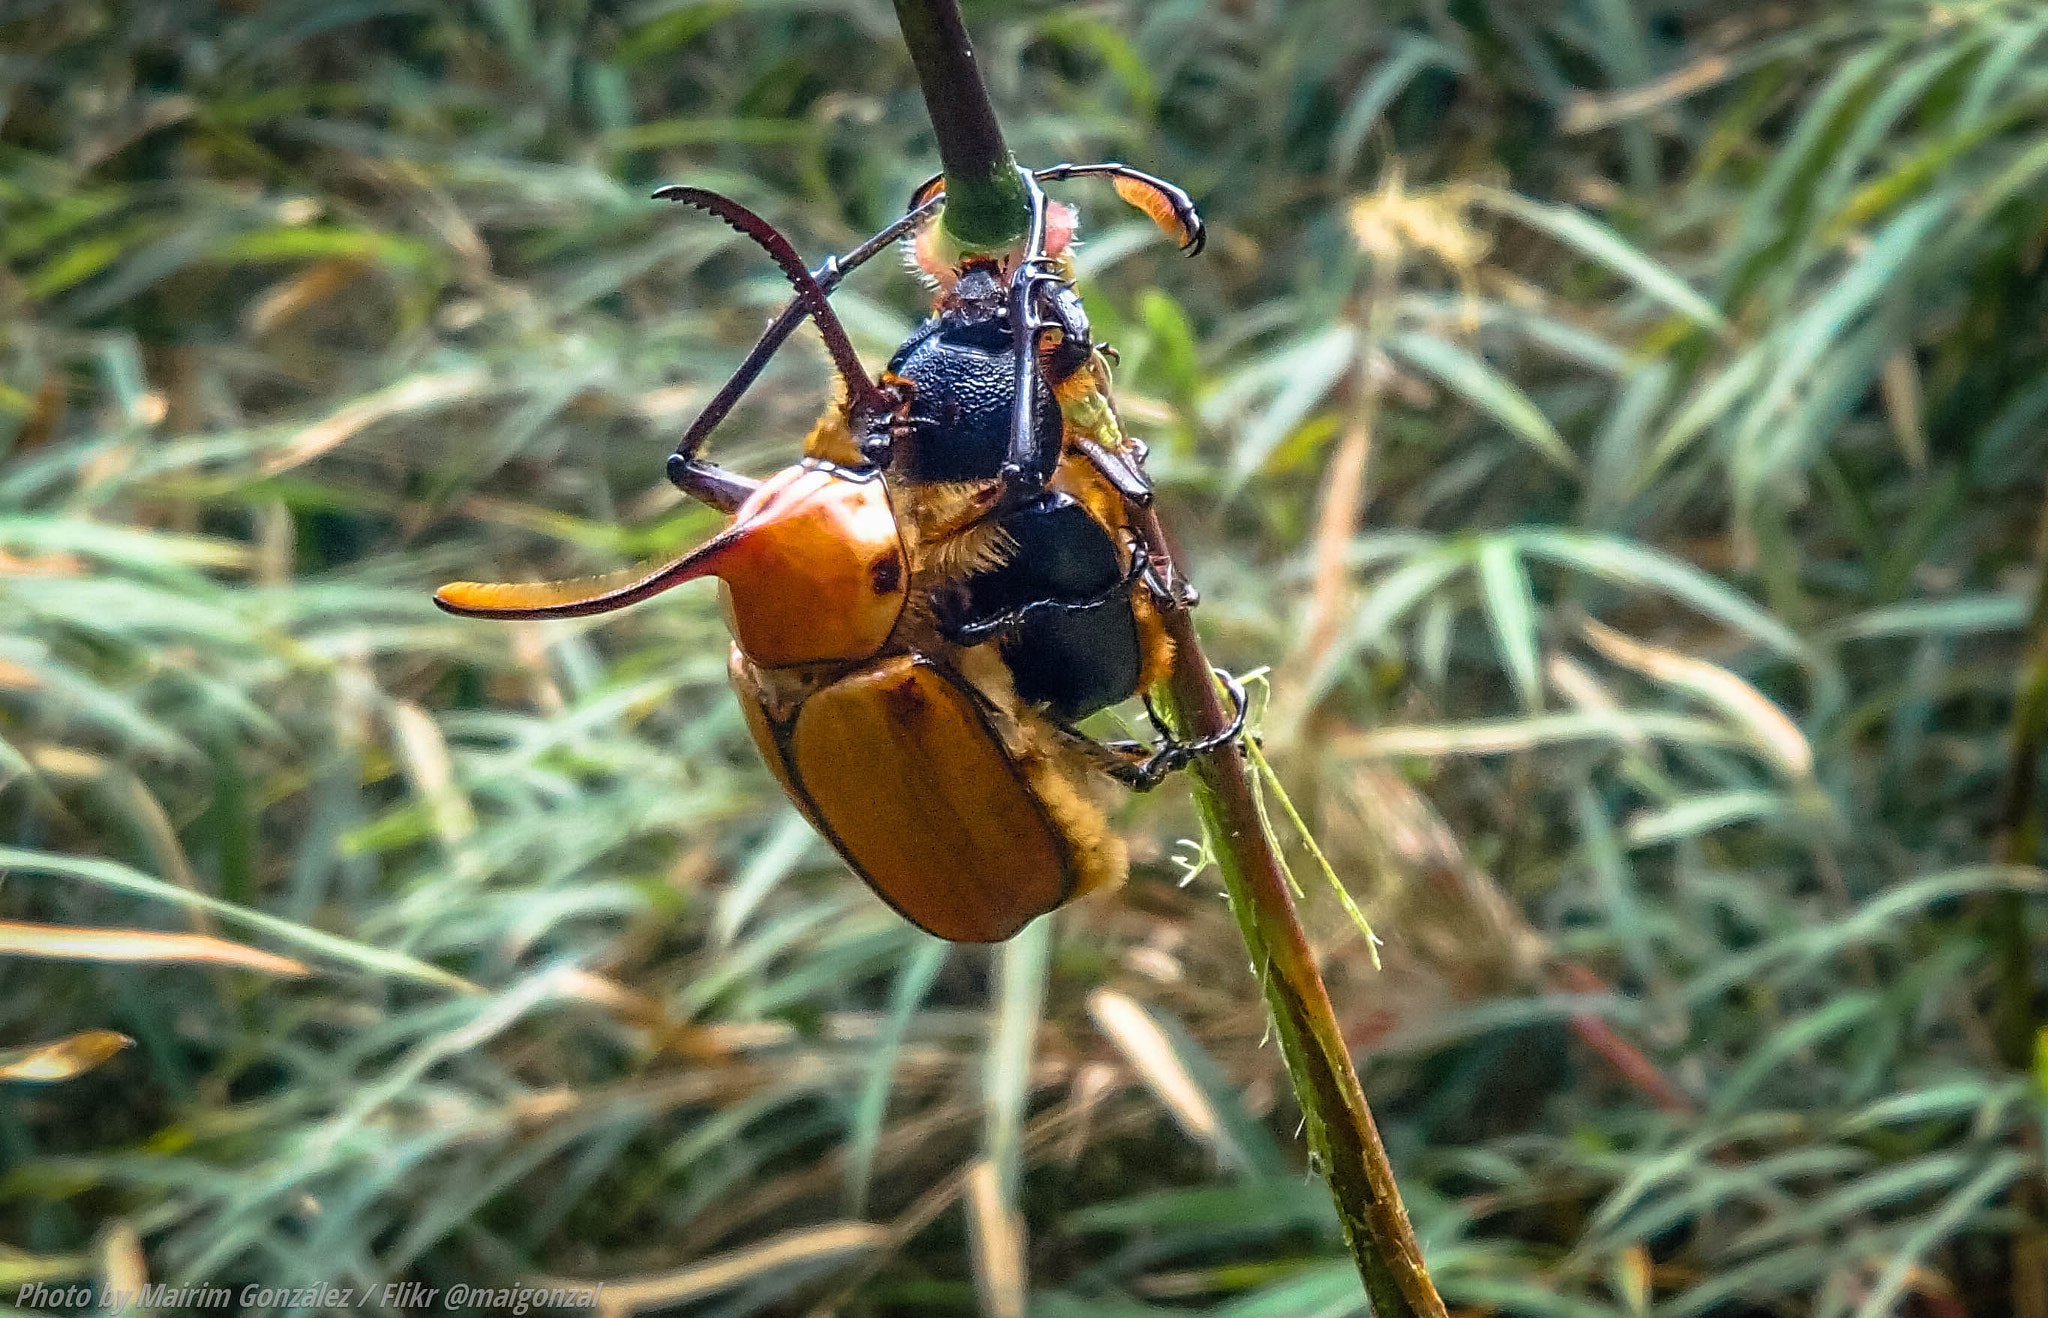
695, 477
1142, 768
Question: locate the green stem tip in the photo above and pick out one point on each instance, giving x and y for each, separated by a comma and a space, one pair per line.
986, 206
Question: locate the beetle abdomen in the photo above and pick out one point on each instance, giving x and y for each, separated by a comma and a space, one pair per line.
911, 785
1074, 645
1075, 663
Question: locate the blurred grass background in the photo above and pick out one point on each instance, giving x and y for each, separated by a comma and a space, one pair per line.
1619, 425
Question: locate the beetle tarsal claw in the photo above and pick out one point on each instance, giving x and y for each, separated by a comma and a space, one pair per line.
1144, 774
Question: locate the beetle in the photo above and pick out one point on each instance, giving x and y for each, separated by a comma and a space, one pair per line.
1034, 500
902, 738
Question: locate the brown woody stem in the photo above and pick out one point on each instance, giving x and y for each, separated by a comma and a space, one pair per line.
1341, 1130
2018, 839
2014, 1022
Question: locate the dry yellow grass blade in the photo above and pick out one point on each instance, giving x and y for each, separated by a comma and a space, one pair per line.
1588, 112
124, 1270
41, 565
60, 1059
722, 1272
1899, 387
1343, 500
1145, 1046
13, 677
291, 297
1632, 1278
418, 394
423, 752
138, 805
69, 943
995, 1238
1584, 692
1766, 725
1511, 735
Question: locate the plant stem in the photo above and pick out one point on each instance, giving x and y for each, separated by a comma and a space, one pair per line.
2018, 842
986, 208
1341, 1130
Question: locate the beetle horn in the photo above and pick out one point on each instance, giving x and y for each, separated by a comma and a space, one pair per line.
813, 565
586, 595
860, 389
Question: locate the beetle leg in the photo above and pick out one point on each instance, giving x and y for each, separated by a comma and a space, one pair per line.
1141, 768
1168, 206
826, 277
1026, 468
710, 484
1176, 754
1077, 346
981, 629
862, 390
1169, 590
1121, 760
1124, 476
1127, 477
927, 192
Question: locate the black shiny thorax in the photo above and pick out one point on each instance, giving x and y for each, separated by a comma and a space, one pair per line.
1059, 609
960, 369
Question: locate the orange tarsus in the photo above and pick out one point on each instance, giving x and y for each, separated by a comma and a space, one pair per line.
1157, 205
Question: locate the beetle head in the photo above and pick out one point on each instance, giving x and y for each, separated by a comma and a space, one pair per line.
979, 292
812, 564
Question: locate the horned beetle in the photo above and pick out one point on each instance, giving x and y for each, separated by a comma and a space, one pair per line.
947, 580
